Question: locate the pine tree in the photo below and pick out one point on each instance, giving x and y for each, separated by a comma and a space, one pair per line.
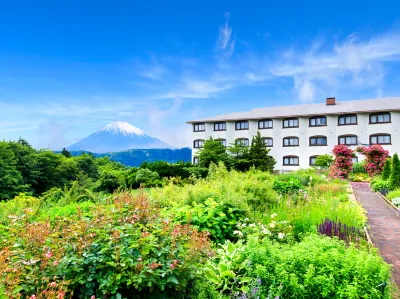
387, 169
394, 181
66, 153
258, 154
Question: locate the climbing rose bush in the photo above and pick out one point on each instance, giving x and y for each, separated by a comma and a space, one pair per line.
342, 165
375, 156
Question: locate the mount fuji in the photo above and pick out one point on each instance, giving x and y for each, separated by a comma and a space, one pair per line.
116, 137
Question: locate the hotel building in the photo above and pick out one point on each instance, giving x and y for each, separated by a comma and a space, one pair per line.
297, 134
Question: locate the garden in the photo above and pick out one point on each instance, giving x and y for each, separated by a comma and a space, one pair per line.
194, 232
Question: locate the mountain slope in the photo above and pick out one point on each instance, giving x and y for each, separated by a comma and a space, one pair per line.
136, 157
116, 137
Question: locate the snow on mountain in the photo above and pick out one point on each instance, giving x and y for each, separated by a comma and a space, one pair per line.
116, 137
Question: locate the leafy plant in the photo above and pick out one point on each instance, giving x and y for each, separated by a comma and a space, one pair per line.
375, 156
287, 187
393, 194
324, 161
228, 270
378, 184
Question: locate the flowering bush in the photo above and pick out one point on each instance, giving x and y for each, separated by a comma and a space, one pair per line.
342, 165
375, 156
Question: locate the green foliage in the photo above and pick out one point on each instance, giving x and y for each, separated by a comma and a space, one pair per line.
167, 170
227, 271
359, 168
378, 184
316, 267
387, 169
11, 180
213, 152
393, 194
394, 180
240, 156
21, 204
218, 219
258, 154
324, 161
147, 178
66, 153
287, 187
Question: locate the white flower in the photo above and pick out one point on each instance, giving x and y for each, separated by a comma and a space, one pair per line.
244, 225
281, 235
237, 232
246, 219
274, 215
252, 225
323, 176
265, 231
310, 178
272, 225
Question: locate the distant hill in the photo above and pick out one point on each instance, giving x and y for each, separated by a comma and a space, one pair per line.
135, 157
116, 137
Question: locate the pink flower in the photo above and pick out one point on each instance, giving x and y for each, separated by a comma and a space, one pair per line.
53, 284
49, 254
32, 297
93, 297
140, 259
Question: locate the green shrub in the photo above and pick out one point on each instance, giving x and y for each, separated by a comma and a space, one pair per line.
316, 267
20, 205
287, 187
387, 169
71, 211
147, 178
395, 174
218, 219
378, 184
393, 194
324, 161
359, 168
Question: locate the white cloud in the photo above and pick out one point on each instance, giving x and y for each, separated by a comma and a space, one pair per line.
225, 42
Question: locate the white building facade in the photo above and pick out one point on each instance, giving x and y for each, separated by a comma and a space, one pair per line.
296, 135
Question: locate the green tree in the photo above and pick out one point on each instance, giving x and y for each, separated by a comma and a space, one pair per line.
240, 156
213, 152
87, 164
110, 181
394, 180
11, 181
147, 178
258, 154
324, 161
66, 153
387, 169
26, 161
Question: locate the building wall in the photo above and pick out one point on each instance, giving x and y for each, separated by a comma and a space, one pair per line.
332, 131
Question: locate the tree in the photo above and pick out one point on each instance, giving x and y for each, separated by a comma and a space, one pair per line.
66, 153
387, 169
213, 152
375, 156
394, 181
258, 154
87, 164
11, 181
324, 161
240, 156
147, 178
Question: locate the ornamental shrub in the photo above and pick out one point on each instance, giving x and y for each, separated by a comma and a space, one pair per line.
375, 156
377, 184
394, 181
342, 165
387, 169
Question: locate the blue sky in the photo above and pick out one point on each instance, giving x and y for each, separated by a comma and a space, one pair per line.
67, 68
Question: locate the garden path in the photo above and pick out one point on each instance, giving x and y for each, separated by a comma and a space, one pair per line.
384, 225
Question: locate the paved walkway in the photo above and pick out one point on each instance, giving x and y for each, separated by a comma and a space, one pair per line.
384, 225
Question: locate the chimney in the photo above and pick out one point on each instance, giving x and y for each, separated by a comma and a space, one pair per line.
330, 101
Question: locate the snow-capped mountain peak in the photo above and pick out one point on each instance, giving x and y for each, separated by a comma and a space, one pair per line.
121, 127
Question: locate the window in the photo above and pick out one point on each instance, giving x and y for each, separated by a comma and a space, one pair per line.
199, 127
317, 121
348, 139
242, 125
354, 160
291, 123
242, 141
379, 118
221, 126
195, 160
380, 139
265, 124
312, 160
223, 141
290, 160
291, 141
318, 141
268, 141
350, 119
199, 143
